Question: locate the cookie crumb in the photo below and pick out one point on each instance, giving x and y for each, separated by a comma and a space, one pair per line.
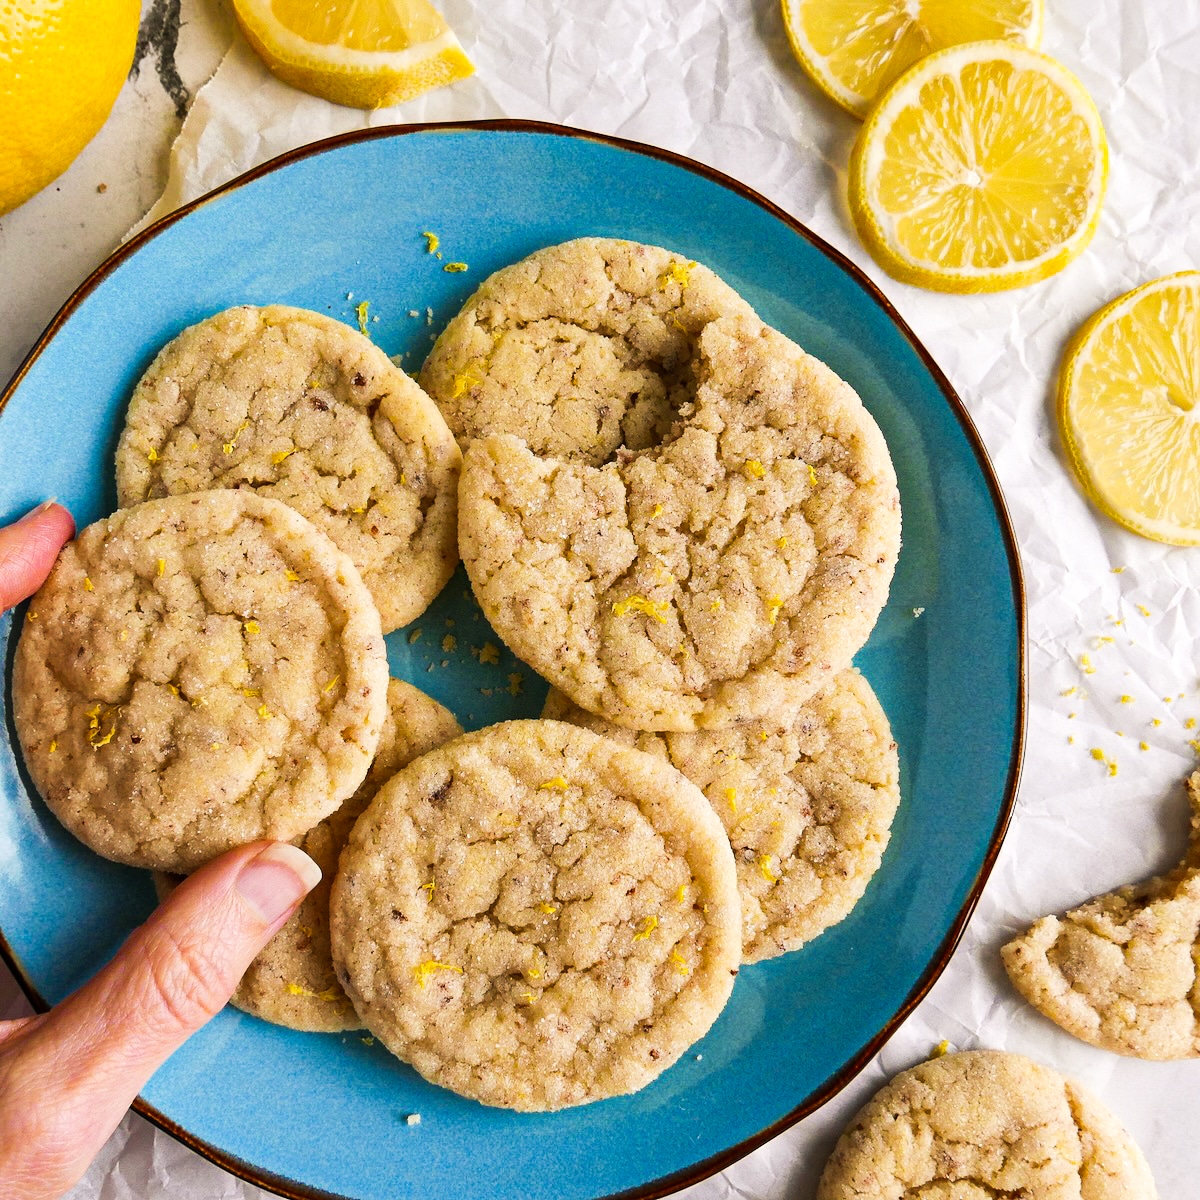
413, 1119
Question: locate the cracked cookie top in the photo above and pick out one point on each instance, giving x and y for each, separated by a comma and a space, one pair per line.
807, 806
579, 349
1120, 971
197, 673
727, 574
984, 1124
536, 917
303, 409
292, 981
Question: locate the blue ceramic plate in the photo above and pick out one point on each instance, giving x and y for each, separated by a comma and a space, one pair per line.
329, 227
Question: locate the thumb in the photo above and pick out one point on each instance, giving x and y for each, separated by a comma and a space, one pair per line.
28, 549
90, 1055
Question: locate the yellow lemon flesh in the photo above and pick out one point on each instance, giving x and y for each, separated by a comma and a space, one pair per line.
981, 168
361, 53
1129, 409
853, 49
62, 64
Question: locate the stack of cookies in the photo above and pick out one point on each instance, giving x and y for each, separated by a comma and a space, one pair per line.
666, 508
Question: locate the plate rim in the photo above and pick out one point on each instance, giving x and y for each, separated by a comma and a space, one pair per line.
665, 1185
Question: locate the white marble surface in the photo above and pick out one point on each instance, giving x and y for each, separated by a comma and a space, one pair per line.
716, 81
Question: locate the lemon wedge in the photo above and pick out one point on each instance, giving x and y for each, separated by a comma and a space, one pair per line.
1129, 409
853, 49
981, 168
361, 53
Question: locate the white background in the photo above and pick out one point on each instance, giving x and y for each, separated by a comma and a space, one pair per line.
715, 80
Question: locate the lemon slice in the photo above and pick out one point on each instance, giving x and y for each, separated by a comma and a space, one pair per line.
1129, 409
981, 168
853, 49
361, 53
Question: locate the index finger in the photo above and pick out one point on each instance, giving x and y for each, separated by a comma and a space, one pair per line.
28, 549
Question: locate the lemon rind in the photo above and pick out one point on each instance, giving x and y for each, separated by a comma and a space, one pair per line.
1079, 348
868, 152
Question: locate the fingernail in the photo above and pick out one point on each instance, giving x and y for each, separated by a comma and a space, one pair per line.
274, 881
41, 508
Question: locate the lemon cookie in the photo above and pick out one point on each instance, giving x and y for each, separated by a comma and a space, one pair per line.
303, 409
196, 673
1120, 971
578, 349
985, 1123
728, 574
807, 806
292, 981
536, 917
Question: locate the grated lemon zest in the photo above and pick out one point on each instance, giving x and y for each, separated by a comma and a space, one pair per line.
681, 895
252, 626
716, 604
53, 745
547, 908
675, 273
282, 456
432, 242
426, 969
1126, 699
649, 925
1143, 610
152, 455
329, 995
360, 311
680, 962
764, 868
252, 693
781, 543
429, 887
812, 475
1097, 754
731, 796
162, 567
1143, 746
87, 585
1190, 723
755, 469
773, 606
331, 684
455, 267
291, 576
941, 1049
558, 784
651, 608
264, 711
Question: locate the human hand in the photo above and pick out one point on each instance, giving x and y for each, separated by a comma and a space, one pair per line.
68, 1076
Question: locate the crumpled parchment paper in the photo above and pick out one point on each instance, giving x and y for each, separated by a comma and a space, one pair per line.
717, 81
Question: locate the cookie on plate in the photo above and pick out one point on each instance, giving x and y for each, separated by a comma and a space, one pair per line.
302, 408
985, 1123
1120, 971
579, 349
726, 575
292, 981
807, 806
197, 673
536, 917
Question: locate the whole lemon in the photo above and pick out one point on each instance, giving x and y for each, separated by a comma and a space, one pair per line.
62, 63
